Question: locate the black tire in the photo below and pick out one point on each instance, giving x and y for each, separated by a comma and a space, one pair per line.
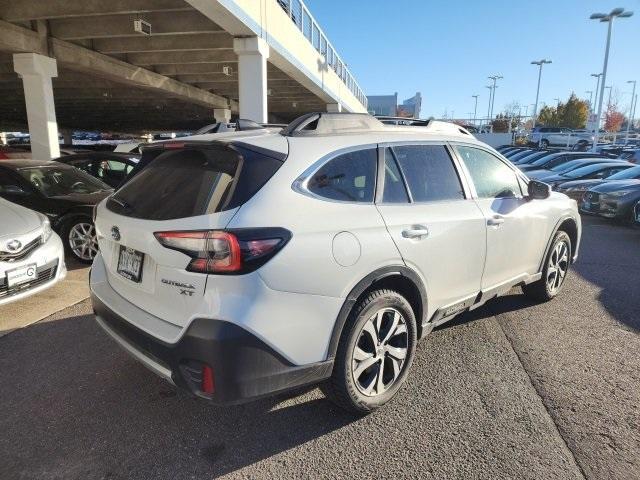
541, 290
544, 143
342, 387
67, 227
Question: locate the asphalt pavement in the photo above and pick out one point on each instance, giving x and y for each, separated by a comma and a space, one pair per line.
512, 390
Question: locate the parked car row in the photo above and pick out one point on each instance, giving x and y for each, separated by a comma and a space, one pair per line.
601, 185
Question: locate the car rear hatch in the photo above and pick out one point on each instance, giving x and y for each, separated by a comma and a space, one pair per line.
190, 187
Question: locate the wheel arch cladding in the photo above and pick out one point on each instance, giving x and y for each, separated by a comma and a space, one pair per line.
398, 278
570, 226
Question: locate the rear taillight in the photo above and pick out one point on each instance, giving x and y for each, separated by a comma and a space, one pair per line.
226, 252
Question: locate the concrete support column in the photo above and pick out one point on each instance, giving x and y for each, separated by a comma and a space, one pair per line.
252, 77
36, 72
222, 115
334, 107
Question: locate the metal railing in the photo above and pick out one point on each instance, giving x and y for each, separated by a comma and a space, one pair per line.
302, 18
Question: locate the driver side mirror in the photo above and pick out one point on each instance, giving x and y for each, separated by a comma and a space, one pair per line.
12, 190
538, 190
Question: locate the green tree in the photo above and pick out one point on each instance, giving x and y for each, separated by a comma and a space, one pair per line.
548, 116
572, 114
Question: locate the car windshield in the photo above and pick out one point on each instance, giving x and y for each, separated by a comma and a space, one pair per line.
627, 174
582, 171
57, 180
545, 159
568, 166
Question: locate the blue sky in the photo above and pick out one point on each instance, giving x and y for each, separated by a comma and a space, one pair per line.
446, 49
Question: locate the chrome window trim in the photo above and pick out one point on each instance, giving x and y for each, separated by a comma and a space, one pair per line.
301, 184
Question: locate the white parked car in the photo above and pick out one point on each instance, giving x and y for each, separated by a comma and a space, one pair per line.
242, 265
546, 137
31, 254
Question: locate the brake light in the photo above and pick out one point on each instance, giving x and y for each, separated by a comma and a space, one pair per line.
226, 252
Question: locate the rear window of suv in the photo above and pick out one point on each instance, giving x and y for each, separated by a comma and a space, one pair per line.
194, 181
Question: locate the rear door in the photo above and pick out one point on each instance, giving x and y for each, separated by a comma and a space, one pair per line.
197, 188
437, 227
516, 227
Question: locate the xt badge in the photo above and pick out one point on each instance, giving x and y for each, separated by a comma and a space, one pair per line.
184, 288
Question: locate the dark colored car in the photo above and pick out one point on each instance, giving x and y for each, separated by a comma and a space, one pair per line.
568, 166
558, 158
532, 156
612, 200
63, 193
577, 188
110, 167
597, 171
636, 214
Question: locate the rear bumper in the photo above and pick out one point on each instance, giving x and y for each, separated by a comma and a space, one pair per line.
244, 367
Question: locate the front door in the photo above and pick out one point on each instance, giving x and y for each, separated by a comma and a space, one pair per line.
438, 229
516, 227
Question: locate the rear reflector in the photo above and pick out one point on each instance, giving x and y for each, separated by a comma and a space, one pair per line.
208, 385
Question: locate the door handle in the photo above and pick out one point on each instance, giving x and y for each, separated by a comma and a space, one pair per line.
495, 221
416, 231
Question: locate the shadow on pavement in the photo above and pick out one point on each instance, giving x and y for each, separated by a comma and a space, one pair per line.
610, 259
80, 408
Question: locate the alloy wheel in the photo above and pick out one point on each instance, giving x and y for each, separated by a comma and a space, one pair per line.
83, 241
558, 266
379, 355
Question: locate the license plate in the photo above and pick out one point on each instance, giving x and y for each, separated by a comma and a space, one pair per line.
587, 205
130, 264
22, 275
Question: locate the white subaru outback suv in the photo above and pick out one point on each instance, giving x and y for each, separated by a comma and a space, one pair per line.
242, 265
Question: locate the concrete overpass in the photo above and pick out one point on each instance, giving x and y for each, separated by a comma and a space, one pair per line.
82, 65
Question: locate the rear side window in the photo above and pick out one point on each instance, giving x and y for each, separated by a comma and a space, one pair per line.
350, 177
193, 181
429, 172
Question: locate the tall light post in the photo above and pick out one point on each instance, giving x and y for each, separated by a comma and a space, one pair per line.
597, 75
606, 18
475, 109
490, 87
590, 92
557, 102
610, 87
540, 63
630, 117
495, 78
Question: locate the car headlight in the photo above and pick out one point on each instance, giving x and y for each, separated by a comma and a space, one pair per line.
46, 228
619, 193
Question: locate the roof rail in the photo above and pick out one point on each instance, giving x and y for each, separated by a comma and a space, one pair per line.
324, 123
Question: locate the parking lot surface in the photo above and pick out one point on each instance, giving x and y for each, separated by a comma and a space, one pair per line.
512, 390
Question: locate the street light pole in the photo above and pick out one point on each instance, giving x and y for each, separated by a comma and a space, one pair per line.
540, 63
608, 18
590, 92
490, 87
610, 87
630, 118
475, 109
495, 78
597, 75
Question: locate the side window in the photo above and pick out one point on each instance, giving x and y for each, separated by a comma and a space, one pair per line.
430, 173
394, 189
9, 184
491, 177
349, 177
